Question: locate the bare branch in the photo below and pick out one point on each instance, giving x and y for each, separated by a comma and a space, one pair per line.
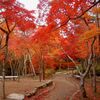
13, 27
90, 60
86, 11
69, 18
77, 67
3, 30
86, 23
7, 25
3, 47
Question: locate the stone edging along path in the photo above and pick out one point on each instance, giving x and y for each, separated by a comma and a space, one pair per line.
15, 96
44, 85
46, 91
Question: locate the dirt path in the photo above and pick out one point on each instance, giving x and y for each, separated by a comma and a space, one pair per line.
64, 86
25, 84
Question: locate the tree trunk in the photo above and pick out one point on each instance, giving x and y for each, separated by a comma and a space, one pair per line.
32, 67
7, 33
90, 62
4, 65
82, 88
3, 81
94, 79
40, 78
24, 68
90, 76
42, 69
11, 66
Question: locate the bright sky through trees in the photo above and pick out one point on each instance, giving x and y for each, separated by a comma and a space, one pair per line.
29, 4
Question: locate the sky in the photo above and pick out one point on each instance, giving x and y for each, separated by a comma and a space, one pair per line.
29, 4
32, 5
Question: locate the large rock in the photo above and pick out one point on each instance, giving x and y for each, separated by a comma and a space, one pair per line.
15, 96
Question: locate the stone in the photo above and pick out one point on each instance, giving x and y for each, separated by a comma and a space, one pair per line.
15, 96
31, 93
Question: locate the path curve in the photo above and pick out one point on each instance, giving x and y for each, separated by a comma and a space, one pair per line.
65, 86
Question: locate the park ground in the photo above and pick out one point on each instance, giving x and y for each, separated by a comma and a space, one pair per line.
65, 87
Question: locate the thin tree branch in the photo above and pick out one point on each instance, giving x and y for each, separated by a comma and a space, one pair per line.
13, 27
86, 23
3, 30
3, 47
90, 60
77, 67
7, 26
86, 10
69, 18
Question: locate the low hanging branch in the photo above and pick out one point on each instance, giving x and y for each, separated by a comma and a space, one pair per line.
74, 18
90, 60
77, 67
3, 30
